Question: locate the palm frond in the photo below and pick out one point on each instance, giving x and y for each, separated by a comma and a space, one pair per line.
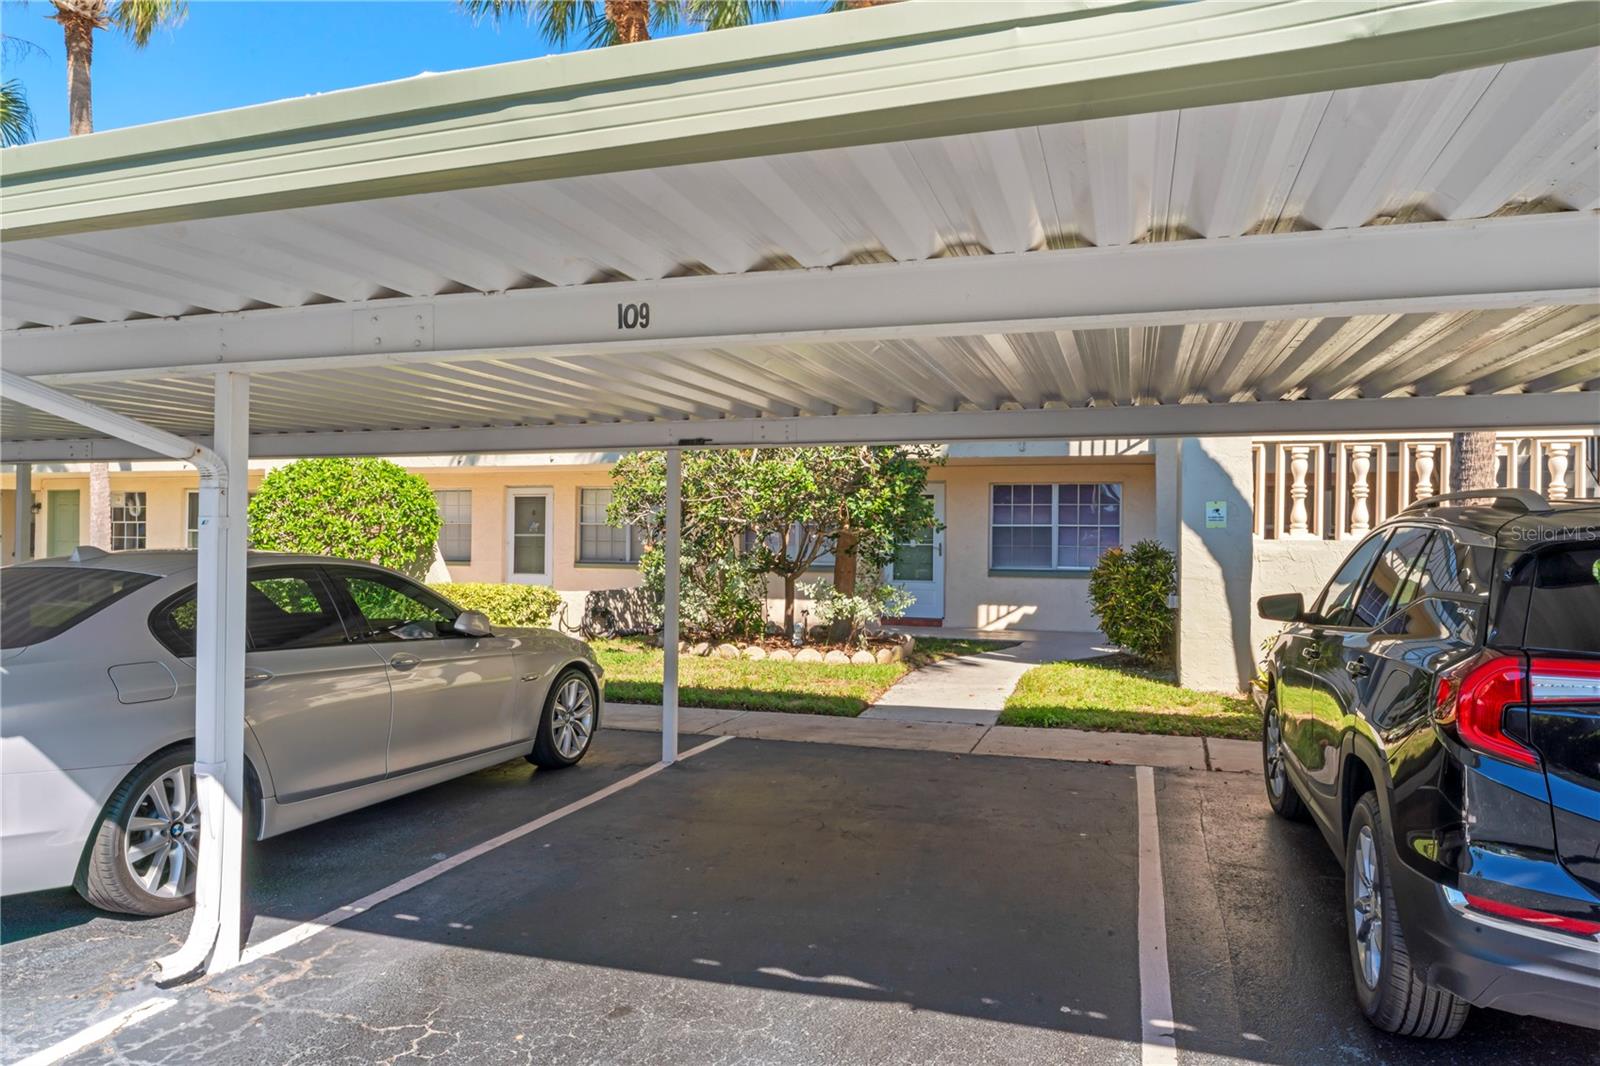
16, 119
140, 18
497, 10
726, 14
15, 48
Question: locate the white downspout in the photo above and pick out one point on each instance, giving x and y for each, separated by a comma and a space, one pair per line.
219, 654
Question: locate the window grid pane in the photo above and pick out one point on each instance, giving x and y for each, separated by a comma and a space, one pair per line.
1062, 527
455, 524
599, 542
127, 521
192, 521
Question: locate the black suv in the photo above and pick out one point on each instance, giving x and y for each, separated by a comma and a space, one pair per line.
1436, 712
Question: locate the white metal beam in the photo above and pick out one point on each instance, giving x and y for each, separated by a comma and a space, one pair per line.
1522, 261
215, 930
1533, 410
22, 515
669, 612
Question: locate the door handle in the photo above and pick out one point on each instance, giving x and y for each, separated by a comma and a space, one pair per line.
255, 677
1358, 667
1311, 654
403, 661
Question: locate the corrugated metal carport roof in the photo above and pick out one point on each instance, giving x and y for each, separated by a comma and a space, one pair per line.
1223, 252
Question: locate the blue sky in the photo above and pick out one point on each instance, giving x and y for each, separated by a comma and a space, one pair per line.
230, 53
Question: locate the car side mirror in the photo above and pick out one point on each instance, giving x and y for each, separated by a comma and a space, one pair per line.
473, 624
1284, 607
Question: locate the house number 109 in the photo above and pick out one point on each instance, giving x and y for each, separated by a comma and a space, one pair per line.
633, 316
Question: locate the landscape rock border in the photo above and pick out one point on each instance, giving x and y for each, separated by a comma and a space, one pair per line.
892, 649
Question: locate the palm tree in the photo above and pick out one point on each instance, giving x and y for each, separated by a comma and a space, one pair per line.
79, 19
856, 5
16, 118
596, 22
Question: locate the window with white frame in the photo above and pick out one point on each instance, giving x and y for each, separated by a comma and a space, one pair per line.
455, 524
192, 519
127, 521
598, 540
1053, 527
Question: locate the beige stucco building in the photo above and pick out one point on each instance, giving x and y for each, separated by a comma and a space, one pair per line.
1022, 522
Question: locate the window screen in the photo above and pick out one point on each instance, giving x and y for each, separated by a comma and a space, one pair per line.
455, 524
127, 521
599, 541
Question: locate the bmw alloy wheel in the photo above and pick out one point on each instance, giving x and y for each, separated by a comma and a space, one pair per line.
572, 717
162, 840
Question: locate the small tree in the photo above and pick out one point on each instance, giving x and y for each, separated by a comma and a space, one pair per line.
367, 509
779, 510
1128, 591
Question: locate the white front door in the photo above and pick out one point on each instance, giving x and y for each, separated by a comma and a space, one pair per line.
528, 514
918, 565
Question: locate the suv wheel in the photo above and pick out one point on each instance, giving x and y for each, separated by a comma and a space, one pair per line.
1285, 801
142, 857
1392, 995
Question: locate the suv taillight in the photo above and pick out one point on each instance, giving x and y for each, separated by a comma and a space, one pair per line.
1473, 697
1565, 680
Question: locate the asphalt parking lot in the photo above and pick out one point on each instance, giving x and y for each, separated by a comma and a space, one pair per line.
761, 902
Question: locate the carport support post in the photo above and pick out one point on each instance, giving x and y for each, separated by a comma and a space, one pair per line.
669, 611
22, 515
219, 690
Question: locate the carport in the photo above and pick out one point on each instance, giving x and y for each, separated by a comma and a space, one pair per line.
914, 223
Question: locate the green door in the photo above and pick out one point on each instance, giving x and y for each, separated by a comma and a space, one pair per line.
62, 522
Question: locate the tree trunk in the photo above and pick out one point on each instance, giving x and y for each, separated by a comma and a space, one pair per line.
844, 562
788, 606
78, 21
1472, 462
631, 19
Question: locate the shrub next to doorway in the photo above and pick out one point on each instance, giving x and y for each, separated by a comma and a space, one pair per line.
367, 509
506, 605
1128, 592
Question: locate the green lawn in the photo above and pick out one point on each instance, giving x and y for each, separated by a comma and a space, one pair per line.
633, 675
1116, 694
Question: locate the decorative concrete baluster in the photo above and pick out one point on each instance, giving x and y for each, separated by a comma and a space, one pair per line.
1423, 463
1502, 465
1299, 465
1557, 464
1360, 468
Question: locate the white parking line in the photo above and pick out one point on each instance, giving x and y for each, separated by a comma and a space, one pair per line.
97, 1032
305, 931
107, 1027
1159, 1046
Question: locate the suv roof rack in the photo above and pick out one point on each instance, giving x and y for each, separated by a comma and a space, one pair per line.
1525, 500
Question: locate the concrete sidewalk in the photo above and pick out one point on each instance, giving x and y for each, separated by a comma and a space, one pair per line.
1072, 745
972, 689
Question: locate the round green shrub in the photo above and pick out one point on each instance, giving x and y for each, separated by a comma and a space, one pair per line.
1128, 591
506, 605
367, 509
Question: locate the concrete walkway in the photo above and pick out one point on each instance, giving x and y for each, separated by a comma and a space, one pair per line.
972, 689
1072, 745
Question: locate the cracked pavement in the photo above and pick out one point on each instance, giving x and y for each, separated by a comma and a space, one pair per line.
766, 902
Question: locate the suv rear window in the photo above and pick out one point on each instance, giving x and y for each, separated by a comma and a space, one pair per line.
1564, 609
41, 602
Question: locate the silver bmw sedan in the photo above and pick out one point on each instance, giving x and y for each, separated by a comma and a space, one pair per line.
360, 683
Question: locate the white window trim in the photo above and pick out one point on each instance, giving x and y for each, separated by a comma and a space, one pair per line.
191, 534
1055, 524
512, 577
142, 520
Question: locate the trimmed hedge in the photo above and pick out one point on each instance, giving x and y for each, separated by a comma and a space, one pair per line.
1128, 591
506, 605
367, 509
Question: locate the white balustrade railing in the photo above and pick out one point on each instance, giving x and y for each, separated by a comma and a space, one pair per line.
1340, 488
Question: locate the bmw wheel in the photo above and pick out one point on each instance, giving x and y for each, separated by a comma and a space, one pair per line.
143, 855
571, 715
